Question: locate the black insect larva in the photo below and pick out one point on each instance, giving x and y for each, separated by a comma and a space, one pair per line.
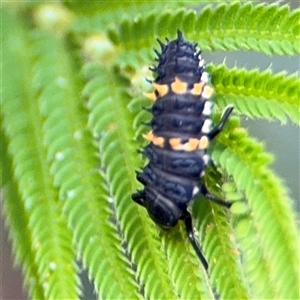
180, 135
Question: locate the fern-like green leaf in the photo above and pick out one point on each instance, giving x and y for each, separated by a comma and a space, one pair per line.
220, 250
226, 27
74, 166
270, 211
257, 94
183, 266
50, 260
17, 220
96, 15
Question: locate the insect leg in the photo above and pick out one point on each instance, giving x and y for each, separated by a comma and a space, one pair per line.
139, 197
191, 236
213, 198
218, 128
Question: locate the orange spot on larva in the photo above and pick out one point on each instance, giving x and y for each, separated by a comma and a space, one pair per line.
197, 89
150, 96
162, 89
158, 141
178, 86
174, 142
191, 145
148, 136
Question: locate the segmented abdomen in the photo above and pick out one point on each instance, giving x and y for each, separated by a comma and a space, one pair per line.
181, 121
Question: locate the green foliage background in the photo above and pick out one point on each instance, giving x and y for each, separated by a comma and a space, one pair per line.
72, 82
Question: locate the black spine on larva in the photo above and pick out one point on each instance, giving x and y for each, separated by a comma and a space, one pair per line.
172, 177
178, 59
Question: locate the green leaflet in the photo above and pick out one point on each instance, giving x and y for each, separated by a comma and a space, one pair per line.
228, 27
257, 94
75, 169
269, 216
48, 257
91, 17
255, 266
183, 266
17, 220
220, 250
